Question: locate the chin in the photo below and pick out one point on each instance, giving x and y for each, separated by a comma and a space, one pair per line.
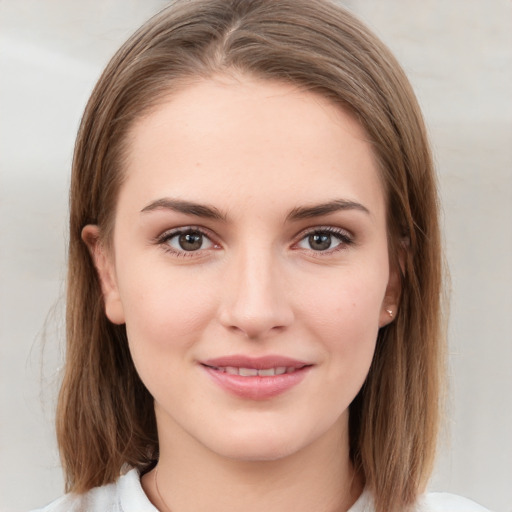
258, 444
253, 451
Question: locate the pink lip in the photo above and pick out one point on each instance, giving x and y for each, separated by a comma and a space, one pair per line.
256, 387
259, 363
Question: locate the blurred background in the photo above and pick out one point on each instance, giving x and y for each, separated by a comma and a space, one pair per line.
458, 55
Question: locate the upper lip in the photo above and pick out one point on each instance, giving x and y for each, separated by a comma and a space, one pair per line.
258, 363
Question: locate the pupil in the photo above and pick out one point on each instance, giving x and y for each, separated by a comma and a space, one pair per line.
191, 241
320, 242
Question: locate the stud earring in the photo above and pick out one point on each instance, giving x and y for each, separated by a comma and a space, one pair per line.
389, 312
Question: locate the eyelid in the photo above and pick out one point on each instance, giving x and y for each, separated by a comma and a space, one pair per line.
162, 239
345, 236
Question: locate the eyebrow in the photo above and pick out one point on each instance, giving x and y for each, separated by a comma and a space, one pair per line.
210, 212
307, 212
187, 207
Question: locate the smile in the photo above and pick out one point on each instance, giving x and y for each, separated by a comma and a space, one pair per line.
260, 378
254, 372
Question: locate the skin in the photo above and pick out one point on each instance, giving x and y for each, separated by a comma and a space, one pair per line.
255, 152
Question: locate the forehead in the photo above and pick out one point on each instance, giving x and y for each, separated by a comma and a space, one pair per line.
243, 141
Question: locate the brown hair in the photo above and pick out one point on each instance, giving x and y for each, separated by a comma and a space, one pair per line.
105, 417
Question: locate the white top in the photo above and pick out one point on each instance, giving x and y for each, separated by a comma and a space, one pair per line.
126, 495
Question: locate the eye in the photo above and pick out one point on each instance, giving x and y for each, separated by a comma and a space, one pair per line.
186, 241
325, 240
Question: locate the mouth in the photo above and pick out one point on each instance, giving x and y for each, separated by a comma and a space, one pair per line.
256, 378
255, 372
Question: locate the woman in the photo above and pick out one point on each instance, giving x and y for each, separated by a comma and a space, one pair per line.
254, 271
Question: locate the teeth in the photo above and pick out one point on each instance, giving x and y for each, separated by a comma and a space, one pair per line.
253, 372
247, 372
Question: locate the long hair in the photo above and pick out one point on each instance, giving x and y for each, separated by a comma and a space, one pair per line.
105, 416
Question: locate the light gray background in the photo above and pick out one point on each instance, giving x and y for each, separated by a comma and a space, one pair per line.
458, 54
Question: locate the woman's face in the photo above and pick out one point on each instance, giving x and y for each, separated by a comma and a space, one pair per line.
250, 265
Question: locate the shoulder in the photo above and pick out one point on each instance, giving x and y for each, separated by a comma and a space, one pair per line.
124, 495
104, 499
430, 502
445, 502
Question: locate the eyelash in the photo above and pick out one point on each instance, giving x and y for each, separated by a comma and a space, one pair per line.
344, 237
164, 238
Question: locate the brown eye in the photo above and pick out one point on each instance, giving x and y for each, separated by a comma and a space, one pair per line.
187, 241
320, 241
326, 240
190, 241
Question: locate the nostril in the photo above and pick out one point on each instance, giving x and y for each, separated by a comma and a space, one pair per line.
255, 301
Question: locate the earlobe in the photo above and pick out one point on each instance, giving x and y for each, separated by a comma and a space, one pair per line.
106, 274
391, 299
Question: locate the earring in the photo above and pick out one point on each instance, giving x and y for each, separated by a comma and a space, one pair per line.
389, 312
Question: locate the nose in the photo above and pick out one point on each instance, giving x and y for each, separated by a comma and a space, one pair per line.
255, 302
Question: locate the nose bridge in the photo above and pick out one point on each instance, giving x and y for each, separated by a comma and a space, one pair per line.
255, 302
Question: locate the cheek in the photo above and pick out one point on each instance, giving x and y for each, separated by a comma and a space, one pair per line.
165, 314
349, 299
344, 316
165, 317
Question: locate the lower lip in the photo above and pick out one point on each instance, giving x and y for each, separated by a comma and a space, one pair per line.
257, 387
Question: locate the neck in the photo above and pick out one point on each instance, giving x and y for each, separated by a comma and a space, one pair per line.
319, 477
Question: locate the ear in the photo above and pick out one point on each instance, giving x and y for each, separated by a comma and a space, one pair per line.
389, 306
105, 267
391, 300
